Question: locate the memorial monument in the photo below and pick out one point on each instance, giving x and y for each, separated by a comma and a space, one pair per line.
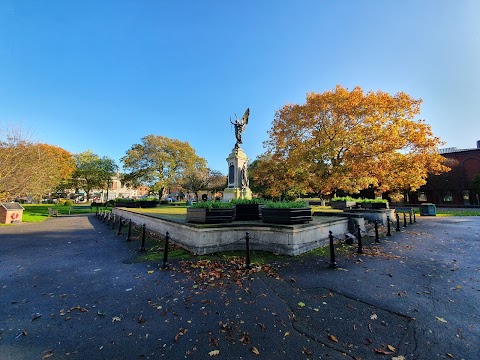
238, 185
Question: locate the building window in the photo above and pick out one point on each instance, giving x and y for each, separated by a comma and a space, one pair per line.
447, 197
422, 196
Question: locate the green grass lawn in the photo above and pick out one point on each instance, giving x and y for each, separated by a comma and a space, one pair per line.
39, 212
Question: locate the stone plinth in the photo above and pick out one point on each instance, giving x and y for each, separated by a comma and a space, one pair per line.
238, 187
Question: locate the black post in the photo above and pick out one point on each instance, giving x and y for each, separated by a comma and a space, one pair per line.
247, 243
388, 226
120, 226
104, 216
398, 223
359, 239
414, 218
165, 252
377, 238
142, 247
96, 212
129, 237
410, 214
404, 220
333, 264
108, 219
113, 221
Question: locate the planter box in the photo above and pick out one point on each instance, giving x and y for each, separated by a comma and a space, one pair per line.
245, 212
127, 204
209, 216
286, 216
147, 203
342, 204
380, 206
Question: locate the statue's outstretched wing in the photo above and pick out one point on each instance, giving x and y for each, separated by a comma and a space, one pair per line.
245, 117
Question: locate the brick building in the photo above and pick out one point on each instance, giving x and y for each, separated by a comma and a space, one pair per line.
455, 187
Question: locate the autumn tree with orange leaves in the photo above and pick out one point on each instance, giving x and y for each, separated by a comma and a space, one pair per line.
28, 168
350, 141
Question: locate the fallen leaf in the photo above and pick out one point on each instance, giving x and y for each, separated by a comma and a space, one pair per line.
450, 356
306, 351
181, 332
391, 348
245, 339
400, 357
287, 333
47, 354
214, 353
442, 320
36, 316
301, 304
255, 350
116, 318
374, 317
384, 352
333, 338
150, 271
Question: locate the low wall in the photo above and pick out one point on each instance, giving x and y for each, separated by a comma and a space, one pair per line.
374, 214
207, 239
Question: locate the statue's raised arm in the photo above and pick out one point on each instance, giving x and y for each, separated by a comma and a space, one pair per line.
240, 127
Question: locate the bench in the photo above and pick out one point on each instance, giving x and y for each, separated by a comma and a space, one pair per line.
52, 212
79, 207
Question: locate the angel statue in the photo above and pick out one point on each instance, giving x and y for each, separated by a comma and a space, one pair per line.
240, 127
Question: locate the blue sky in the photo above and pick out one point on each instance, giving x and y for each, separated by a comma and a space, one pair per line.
100, 75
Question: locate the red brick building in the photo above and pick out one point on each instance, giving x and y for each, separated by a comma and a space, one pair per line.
455, 187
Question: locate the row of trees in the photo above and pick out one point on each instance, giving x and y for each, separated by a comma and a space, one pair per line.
33, 169
347, 141
339, 140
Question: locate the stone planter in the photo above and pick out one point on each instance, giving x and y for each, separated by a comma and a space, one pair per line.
380, 206
342, 204
286, 216
209, 216
245, 212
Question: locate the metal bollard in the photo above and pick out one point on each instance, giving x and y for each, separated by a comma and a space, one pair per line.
113, 221
129, 234
414, 219
96, 212
410, 214
388, 226
359, 239
142, 247
333, 264
120, 226
165, 252
108, 219
248, 266
398, 223
404, 220
377, 238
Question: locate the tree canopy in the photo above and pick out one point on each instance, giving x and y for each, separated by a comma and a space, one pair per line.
350, 140
93, 171
29, 168
160, 162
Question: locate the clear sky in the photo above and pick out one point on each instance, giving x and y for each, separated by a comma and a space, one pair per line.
100, 75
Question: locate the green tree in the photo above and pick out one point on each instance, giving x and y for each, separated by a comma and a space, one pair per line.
92, 171
351, 140
160, 163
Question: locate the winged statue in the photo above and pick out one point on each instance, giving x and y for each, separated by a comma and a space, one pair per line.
240, 127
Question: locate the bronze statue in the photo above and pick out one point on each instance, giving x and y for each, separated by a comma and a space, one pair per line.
240, 127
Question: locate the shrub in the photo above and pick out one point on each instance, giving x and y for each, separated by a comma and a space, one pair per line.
285, 204
247, 201
212, 205
68, 203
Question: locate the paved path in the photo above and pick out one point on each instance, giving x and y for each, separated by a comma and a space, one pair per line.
70, 290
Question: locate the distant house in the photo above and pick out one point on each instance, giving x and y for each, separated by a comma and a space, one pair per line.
455, 187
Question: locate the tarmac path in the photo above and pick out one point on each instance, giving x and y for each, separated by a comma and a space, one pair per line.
70, 290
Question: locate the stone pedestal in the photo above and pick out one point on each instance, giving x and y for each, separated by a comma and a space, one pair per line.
237, 176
